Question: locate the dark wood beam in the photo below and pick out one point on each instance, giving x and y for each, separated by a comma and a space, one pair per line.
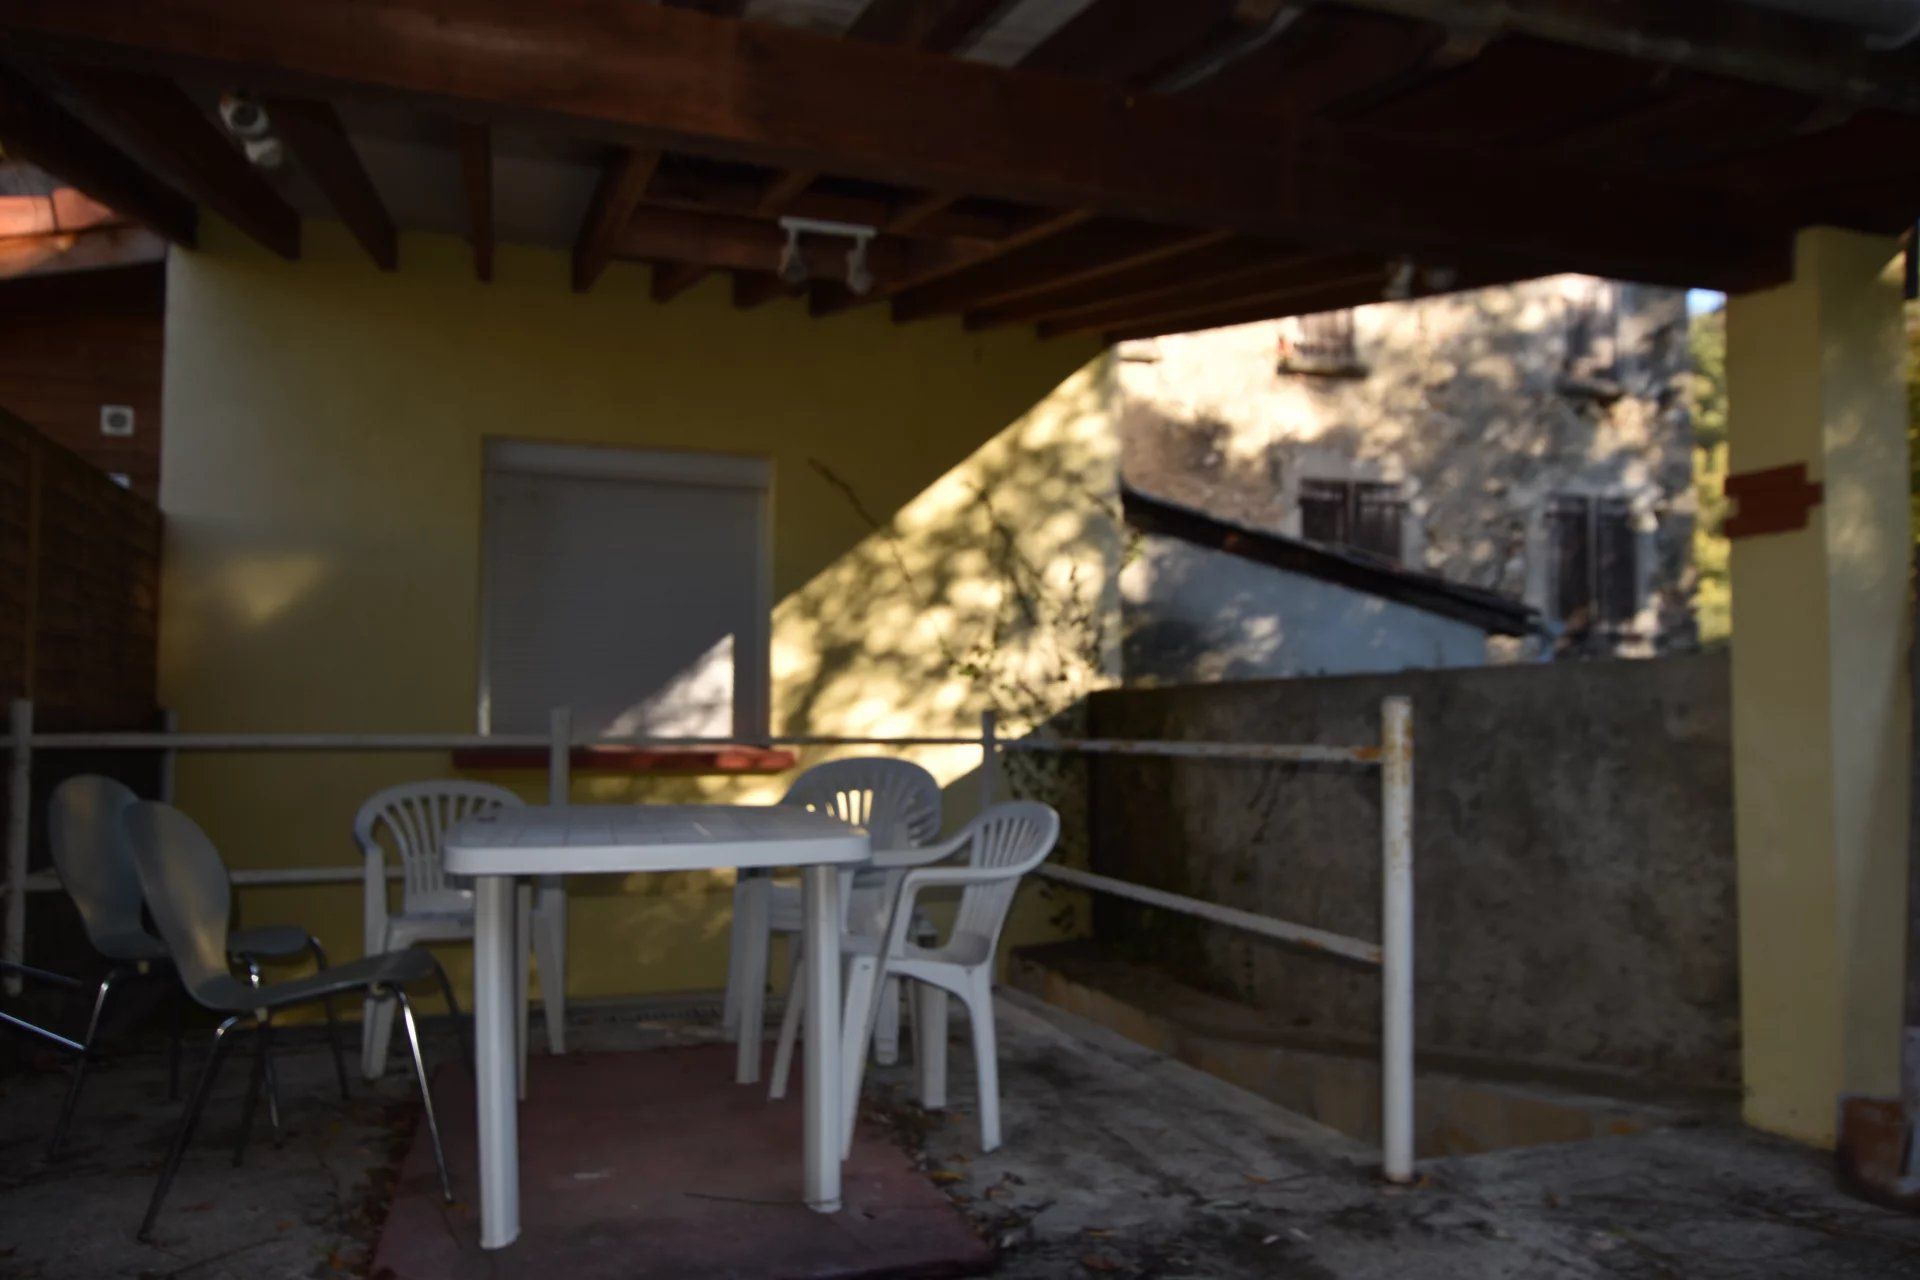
782, 190
1717, 37
623, 183
754, 288
832, 300
34, 127
671, 279
1216, 266
648, 75
1136, 42
319, 142
1337, 290
923, 24
476, 184
754, 245
676, 188
934, 25
159, 120
1290, 277
1094, 252
714, 8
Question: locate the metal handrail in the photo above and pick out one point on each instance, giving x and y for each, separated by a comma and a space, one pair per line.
1393, 756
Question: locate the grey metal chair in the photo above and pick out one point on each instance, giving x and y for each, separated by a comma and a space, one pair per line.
95, 866
189, 896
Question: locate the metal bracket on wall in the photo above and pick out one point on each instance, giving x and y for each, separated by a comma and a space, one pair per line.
1776, 500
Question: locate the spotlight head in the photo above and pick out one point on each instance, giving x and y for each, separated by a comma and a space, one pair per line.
793, 267
859, 275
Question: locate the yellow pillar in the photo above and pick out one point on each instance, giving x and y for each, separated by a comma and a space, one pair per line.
1820, 688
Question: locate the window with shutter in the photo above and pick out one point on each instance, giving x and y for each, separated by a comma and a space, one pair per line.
631, 586
1365, 515
1593, 552
1321, 344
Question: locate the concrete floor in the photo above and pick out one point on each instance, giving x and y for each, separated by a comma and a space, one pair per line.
1118, 1162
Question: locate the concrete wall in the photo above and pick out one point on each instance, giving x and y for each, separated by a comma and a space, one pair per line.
1191, 614
322, 484
1573, 851
1468, 403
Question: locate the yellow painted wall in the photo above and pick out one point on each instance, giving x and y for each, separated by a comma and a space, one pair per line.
322, 489
1820, 688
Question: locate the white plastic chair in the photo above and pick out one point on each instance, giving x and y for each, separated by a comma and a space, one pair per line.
1003, 844
898, 804
414, 818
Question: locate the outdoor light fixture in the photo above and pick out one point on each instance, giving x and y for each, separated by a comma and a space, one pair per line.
247, 121
793, 267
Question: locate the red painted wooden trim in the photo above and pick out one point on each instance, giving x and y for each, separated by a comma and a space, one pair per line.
682, 760
1775, 500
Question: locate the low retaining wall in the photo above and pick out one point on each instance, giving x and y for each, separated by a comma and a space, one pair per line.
1573, 851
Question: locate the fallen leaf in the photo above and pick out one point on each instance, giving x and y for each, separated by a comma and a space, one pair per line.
1099, 1262
946, 1176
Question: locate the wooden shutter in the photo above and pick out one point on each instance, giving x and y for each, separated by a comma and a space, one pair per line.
1378, 510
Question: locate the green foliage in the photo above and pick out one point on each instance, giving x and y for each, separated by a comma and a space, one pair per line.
1707, 402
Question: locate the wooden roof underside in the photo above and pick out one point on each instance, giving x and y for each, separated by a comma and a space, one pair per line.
1118, 168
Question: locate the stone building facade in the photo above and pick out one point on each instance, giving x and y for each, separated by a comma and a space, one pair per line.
1532, 440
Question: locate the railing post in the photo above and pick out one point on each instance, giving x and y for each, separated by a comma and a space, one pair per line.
550, 931
169, 758
559, 755
1396, 939
989, 758
19, 824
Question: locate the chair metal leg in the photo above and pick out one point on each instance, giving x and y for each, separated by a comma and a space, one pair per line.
80, 1063
262, 1057
453, 1011
188, 1119
333, 1021
426, 1091
173, 1046
273, 1080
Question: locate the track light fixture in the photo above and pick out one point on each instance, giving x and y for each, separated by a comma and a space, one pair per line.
793, 266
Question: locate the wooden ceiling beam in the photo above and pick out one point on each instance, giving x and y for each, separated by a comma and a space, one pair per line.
623, 184
754, 288
34, 127
831, 300
676, 189
475, 145
754, 245
160, 121
1716, 37
1094, 252
1299, 274
1333, 293
923, 24
1136, 42
933, 25
649, 75
319, 142
1216, 266
671, 279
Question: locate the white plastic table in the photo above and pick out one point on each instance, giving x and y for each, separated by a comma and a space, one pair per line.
588, 839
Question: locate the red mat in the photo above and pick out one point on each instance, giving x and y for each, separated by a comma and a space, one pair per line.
655, 1164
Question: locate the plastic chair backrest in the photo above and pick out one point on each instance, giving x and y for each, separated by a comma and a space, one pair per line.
415, 817
1014, 837
189, 895
896, 802
91, 857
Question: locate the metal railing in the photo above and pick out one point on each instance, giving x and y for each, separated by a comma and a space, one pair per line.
1392, 953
